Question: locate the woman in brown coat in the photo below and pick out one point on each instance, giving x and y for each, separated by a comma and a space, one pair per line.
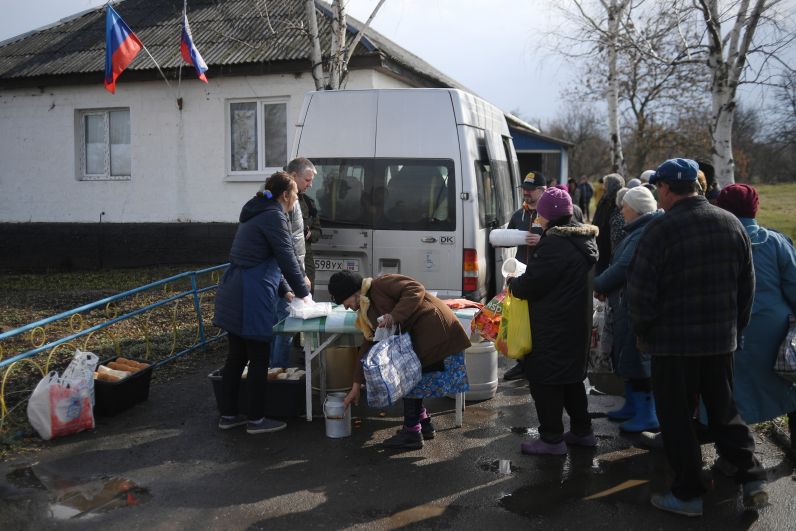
401, 301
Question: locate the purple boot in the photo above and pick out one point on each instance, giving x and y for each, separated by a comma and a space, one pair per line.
540, 447
589, 441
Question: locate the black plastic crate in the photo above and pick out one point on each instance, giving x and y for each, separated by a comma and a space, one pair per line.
283, 398
111, 398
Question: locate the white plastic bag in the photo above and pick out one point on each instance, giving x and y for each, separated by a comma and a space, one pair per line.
383, 332
310, 309
62, 405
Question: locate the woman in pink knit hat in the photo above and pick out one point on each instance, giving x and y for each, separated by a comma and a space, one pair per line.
557, 285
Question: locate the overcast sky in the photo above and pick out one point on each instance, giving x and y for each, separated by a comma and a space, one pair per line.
492, 51
494, 48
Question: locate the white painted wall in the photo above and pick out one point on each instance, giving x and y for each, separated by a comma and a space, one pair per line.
178, 157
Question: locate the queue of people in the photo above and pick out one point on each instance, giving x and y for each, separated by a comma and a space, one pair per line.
696, 292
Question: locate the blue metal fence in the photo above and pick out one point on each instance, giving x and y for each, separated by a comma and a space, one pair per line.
29, 343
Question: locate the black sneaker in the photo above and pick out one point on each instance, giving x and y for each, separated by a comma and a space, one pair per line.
426, 429
405, 440
515, 373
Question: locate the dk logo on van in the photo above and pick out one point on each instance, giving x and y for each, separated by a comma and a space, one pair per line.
447, 240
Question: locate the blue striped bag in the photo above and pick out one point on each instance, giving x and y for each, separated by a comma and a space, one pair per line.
391, 369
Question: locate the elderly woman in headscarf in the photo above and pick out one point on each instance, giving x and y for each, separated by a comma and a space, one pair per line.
638, 208
759, 392
435, 331
605, 212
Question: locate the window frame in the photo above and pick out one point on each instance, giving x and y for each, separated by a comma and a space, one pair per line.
263, 171
80, 144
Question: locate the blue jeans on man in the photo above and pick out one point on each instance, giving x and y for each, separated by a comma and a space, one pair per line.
280, 350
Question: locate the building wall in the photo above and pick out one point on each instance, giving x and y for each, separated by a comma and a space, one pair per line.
179, 158
179, 207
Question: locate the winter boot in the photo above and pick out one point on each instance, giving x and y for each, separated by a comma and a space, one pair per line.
645, 418
627, 411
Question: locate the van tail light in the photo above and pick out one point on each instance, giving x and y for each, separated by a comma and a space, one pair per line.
470, 270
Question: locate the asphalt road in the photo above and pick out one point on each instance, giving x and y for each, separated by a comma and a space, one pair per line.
164, 465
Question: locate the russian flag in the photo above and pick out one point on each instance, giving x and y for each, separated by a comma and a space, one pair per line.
121, 47
189, 51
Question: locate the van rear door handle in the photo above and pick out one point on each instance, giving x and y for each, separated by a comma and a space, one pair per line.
428, 239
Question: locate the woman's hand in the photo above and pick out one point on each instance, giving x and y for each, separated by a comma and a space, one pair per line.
289, 296
532, 239
386, 321
353, 395
307, 282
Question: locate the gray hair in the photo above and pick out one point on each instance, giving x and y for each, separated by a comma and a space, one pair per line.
299, 165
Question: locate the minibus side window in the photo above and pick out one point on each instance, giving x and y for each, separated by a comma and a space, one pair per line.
503, 190
487, 199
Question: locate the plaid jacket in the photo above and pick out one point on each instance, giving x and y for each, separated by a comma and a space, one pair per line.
691, 282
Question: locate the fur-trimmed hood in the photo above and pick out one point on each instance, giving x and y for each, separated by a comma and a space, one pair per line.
575, 230
581, 235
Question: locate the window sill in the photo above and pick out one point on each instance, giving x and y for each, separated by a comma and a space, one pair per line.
251, 177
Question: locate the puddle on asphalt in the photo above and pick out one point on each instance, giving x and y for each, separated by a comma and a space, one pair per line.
498, 466
582, 474
69, 498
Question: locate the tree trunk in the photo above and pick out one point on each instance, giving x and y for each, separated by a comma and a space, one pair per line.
723, 113
612, 96
337, 63
315, 44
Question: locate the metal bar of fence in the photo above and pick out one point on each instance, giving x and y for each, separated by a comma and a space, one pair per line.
106, 300
187, 350
193, 291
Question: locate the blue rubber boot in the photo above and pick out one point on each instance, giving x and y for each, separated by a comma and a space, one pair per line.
645, 418
627, 411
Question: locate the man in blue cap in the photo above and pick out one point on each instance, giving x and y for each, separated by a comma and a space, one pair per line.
689, 291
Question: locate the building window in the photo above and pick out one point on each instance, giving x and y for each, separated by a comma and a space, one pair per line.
257, 137
104, 145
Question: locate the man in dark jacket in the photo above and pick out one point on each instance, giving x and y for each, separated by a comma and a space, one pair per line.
533, 186
689, 293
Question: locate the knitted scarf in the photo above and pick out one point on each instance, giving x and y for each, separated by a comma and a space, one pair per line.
362, 322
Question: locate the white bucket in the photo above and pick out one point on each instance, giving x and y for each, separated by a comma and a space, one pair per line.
512, 268
338, 417
482, 372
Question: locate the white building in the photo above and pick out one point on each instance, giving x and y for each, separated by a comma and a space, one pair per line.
93, 179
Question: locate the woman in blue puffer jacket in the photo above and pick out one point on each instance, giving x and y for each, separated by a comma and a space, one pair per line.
638, 208
246, 300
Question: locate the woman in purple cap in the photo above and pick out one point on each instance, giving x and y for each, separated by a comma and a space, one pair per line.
558, 287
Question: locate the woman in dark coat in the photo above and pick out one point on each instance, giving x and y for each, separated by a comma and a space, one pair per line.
558, 287
401, 301
603, 215
246, 300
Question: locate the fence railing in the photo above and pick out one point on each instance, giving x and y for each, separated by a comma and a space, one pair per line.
158, 322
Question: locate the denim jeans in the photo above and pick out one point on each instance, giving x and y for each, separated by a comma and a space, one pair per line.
280, 348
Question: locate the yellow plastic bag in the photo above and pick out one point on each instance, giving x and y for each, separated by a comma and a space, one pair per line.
514, 336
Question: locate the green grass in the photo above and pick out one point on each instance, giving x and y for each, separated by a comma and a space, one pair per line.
778, 207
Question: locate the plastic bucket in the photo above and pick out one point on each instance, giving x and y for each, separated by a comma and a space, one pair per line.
338, 416
482, 373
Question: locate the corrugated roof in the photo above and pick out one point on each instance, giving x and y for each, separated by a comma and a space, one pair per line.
227, 32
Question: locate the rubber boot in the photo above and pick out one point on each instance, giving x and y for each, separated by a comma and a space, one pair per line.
645, 418
627, 411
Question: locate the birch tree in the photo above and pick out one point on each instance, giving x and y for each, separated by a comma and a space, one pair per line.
727, 58
331, 74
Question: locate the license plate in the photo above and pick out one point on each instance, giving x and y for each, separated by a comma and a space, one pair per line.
336, 264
